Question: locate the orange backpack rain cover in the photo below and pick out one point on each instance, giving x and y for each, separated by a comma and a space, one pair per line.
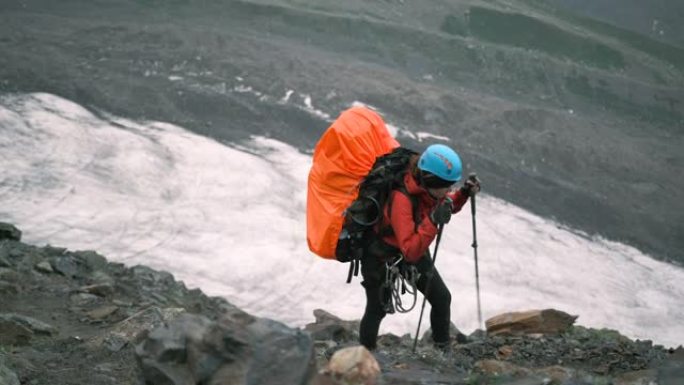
342, 158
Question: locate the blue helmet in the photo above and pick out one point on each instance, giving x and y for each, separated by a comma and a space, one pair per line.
442, 162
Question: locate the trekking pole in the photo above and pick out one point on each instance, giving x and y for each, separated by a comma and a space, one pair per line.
477, 271
427, 287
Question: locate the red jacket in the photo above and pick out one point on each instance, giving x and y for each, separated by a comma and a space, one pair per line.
413, 242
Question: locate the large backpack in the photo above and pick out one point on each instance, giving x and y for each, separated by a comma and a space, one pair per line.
355, 166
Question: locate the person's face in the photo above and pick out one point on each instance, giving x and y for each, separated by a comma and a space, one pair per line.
439, 193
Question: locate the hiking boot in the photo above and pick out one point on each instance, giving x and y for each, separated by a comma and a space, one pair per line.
443, 347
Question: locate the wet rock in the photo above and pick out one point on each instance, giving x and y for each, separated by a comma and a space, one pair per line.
351, 365
44, 267
548, 321
330, 327
9, 231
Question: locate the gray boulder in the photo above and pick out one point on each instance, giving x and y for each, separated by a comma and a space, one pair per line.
330, 327
194, 349
19, 329
8, 231
92, 260
66, 265
281, 355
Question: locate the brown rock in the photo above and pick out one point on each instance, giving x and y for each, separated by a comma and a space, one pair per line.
548, 321
102, 312
101, 290
353, 365
504, 352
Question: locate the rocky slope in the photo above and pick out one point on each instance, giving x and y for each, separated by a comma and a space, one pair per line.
72, 317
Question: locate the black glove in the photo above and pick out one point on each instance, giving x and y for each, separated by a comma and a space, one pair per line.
442, 213
471, 186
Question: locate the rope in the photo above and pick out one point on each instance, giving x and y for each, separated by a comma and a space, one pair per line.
399, 279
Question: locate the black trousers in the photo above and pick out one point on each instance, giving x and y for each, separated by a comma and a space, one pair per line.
438, 295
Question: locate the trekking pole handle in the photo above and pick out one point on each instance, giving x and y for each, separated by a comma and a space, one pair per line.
472, 176
472, 211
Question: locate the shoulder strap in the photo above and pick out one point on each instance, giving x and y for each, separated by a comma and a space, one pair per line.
414, 206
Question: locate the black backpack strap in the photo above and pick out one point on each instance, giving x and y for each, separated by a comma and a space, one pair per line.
353, 270
354, 265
